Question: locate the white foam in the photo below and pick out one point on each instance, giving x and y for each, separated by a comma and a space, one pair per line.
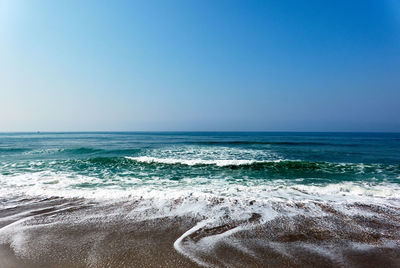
192, 162
209, 155
48, 183
178, 245
206, 198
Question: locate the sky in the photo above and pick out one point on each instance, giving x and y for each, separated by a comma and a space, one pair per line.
200, 65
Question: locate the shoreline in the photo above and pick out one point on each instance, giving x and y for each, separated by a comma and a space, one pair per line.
60, 232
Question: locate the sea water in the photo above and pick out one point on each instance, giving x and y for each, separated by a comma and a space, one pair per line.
242, 179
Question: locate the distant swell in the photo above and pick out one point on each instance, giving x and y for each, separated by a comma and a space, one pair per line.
85, 150
288, 143
13, 150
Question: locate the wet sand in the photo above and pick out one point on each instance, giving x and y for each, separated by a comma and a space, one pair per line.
139, 245
50, 238
77, 233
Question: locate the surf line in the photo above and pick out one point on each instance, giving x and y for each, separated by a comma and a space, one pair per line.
179, 243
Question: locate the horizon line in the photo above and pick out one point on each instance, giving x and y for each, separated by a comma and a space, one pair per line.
197, 131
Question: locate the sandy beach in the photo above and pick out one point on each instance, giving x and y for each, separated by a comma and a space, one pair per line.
61, 232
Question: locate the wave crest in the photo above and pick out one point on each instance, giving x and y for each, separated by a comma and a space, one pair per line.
194, 162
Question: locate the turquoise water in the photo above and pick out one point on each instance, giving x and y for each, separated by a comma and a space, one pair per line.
145, 164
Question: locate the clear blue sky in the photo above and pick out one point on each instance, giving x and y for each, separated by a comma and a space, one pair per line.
200, 65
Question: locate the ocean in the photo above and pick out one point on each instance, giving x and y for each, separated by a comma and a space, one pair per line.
213, 199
